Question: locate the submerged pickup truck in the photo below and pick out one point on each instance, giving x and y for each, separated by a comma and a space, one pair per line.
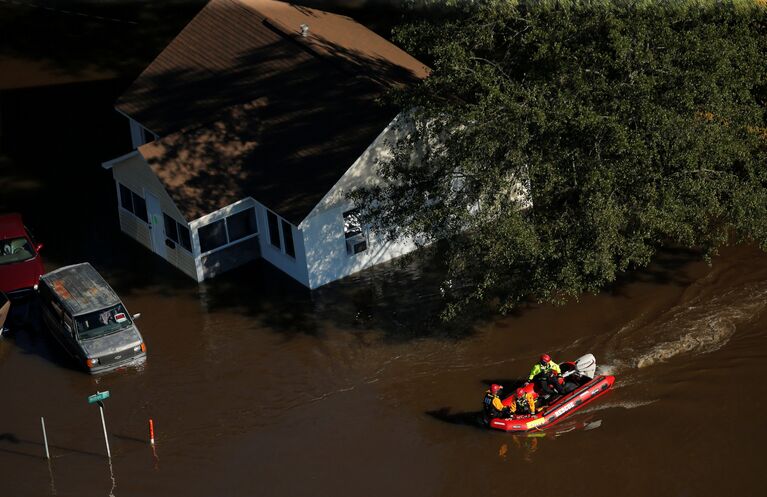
88, 319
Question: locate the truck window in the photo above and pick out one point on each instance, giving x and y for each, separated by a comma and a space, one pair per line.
103, 322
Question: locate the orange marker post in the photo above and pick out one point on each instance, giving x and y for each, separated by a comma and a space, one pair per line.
151, 431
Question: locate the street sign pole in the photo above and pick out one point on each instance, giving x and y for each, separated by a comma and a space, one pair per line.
45, 439
99, 398
104, 425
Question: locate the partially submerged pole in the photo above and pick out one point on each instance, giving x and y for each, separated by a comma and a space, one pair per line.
104, 425
151, 431
99, 398
45, 439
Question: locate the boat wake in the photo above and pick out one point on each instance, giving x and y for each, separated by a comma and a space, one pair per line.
618, 405
700, 325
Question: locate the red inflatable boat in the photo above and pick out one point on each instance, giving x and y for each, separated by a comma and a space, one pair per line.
588, 388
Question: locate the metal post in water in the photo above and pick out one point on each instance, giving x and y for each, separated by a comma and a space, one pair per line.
104, 425
99, 398
45, 439
151, 431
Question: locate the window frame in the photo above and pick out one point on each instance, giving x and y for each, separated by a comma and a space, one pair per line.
143, 201
216, 217
348, 235
123, 190
274, 230
353, 213
166, 218
226, 236
287, 233
252, 217
188, 237
132, 195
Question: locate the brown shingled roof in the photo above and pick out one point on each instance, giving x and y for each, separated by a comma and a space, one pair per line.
247, 106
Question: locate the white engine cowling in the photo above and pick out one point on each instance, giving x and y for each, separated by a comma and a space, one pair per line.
586, 365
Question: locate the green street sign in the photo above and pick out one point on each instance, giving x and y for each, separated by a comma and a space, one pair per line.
98, 397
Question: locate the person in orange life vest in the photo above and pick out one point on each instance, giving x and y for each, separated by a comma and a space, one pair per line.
524, 402
492, 404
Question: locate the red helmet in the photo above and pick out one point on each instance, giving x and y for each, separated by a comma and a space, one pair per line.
520, 393
494, 388
545, 359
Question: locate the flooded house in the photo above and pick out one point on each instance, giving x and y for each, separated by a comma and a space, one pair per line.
248, 130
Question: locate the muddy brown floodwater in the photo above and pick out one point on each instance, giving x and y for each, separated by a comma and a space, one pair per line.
259, 388
254, 393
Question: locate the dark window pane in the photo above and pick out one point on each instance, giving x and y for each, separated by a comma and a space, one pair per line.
212, 236
126, 198
170, 227
274, 229
139, 208
287, 234
241, 224
183, 237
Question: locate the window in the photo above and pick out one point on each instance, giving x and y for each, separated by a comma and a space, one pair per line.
103, 322
223, 232
133, 203
274, 229
126, 198
287, 235
352, 226
183, 237
212, 236
170, 227
14, 250
176, 232
139, 206
356, 240
241, 224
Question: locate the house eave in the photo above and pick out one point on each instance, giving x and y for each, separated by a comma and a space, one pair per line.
111, 163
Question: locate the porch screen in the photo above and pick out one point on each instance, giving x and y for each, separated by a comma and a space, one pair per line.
212, 236
241, 224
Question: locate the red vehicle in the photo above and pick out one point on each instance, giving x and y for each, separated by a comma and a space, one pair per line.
586, 388
20, 263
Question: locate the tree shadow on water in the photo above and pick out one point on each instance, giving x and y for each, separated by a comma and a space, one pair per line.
401, 303
666, 268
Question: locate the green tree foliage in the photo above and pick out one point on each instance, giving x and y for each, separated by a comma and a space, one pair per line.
633, 125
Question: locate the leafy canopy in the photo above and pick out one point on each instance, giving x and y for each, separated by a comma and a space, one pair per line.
631, 125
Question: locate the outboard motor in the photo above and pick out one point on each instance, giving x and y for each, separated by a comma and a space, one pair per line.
586, 365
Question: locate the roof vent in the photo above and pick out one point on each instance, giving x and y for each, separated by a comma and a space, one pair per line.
304, 30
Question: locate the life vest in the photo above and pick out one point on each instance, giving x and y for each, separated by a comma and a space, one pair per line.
488, 406
539, 370
523, 406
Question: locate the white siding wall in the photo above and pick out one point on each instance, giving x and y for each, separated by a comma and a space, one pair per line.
135, 173
139, 135
323, 229
326, 256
